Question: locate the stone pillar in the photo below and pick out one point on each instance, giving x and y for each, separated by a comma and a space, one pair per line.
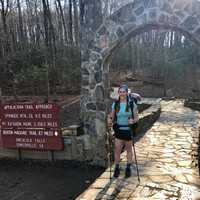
92, 91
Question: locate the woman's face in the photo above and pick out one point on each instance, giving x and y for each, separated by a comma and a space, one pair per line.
122, 93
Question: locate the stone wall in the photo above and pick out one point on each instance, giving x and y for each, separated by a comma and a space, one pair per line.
199, 153
195, 105
192, 103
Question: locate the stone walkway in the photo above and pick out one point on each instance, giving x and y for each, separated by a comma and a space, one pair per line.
166, 160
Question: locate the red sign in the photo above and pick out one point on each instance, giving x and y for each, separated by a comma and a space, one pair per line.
30, 116
31, 126
25, 123
33, 142
1, 144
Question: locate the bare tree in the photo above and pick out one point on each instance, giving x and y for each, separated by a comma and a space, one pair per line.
63, 20
21, 30
76, 23
70, 23
5, 37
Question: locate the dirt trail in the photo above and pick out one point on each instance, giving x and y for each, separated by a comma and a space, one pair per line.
27, 180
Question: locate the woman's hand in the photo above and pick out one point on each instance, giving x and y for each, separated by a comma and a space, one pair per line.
131, 121
136, 118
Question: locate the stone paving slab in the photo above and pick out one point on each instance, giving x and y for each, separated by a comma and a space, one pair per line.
166, 161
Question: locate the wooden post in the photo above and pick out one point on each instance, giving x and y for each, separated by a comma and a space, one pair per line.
19, 154
51, 156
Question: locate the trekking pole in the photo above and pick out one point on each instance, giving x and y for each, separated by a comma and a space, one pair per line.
109, 148
131, 129
135, 156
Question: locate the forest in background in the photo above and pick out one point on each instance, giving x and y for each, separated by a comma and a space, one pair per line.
164, 58
40, 48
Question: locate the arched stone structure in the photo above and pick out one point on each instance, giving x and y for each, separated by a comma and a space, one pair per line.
129, 20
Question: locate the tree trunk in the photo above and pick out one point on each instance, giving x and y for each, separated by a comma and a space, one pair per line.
4, 11
70, 24
131, 54
63, 20
3, 16
30, 22
76, 24
21, 33
38, 28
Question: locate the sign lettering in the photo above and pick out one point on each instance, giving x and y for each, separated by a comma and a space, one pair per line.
30, 126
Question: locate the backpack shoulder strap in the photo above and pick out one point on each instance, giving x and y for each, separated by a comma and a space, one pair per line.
115, 109
115, 106
131, 103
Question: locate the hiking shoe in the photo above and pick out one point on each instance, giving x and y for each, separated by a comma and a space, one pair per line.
128, 172
116, 172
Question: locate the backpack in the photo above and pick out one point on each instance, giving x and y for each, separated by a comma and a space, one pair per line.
132, 98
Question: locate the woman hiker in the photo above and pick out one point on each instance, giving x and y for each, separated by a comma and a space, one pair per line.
121, 117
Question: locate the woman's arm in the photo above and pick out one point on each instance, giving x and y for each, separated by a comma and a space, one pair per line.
112, 115
110, 118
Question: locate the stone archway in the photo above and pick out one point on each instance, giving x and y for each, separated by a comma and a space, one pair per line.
126, 22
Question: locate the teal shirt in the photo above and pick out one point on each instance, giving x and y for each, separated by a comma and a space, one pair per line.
123, 116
